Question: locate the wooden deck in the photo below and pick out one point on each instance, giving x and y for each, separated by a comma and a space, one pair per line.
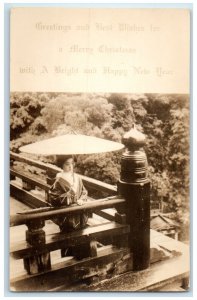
163, 275
169, 262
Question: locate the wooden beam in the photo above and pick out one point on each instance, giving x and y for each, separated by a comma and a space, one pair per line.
59, 240
106, 215
41, 184
68, 273
89, 182
35, 163
26, 198
55, 212
99, 185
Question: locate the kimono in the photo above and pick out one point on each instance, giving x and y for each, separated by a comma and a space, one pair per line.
66, 191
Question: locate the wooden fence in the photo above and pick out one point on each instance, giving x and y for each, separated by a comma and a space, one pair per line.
98, 251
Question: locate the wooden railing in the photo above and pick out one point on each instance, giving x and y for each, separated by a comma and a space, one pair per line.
46, 214
52, 170
99, 251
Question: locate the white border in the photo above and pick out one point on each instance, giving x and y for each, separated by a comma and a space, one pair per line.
4, 139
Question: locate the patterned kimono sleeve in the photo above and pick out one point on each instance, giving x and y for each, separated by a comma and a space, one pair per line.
57, 194
57, 200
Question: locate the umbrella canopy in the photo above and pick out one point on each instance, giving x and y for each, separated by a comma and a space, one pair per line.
71, 144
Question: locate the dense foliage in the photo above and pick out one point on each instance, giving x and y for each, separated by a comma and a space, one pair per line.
163, 118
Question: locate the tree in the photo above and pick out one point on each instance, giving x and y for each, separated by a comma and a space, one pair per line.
122, 112
178, 163
24, 109
103, 167
164, 119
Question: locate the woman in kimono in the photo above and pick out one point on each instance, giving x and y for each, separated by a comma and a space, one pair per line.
67, 190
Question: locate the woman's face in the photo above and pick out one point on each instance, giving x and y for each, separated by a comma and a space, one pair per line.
68, 165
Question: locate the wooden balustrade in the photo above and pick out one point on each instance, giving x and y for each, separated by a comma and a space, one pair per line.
23, 218
98, 262
35, 250
52, 170
98, 252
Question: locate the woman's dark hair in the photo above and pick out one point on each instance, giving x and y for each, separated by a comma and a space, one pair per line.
60, 159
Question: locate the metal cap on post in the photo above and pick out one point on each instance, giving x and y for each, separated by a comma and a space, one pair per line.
134, 186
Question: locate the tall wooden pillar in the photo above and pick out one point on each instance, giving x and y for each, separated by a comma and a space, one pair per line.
134, 186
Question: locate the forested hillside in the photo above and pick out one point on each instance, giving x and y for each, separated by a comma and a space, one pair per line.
163, 118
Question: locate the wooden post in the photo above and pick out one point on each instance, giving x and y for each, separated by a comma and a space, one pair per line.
134, 186
50, 178
185, 283
27, 186
121, 218
12, 177
35, 236
88, 249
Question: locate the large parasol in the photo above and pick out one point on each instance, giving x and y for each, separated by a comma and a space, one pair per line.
71, 144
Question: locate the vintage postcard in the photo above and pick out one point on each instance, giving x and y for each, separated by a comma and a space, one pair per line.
99, 149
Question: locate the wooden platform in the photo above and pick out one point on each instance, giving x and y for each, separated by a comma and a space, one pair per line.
108, 270
166, 272
170, 274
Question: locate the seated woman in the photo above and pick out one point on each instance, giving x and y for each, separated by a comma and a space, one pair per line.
68, 189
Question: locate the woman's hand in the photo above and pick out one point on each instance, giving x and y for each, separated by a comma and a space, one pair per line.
80, 202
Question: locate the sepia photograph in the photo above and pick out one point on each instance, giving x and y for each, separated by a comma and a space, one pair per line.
99, 150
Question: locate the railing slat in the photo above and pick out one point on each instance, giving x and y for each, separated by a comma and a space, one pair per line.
99, 185
59, 240
43, 185
74, 271
26, 197
55, 212
88, 182
32, 162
